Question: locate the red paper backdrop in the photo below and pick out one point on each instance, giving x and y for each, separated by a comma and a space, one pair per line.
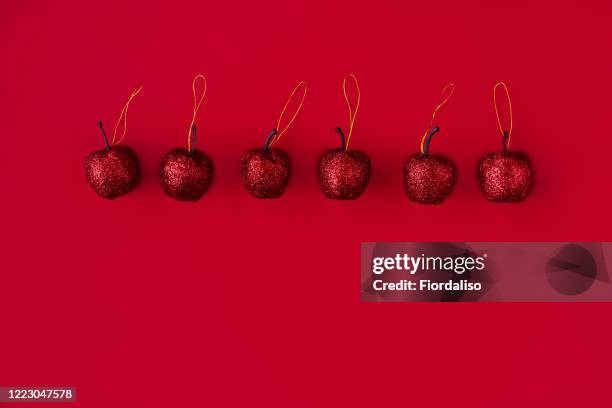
233, 301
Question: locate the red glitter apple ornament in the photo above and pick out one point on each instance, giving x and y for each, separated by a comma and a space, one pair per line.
186, 174
430, 178
114, 170
265, 171
505, 176
343, 173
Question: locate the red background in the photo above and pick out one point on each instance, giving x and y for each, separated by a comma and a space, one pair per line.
233, 301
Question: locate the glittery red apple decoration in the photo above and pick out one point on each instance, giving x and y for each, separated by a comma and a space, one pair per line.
186, 174
265, 172
430, 178
505, 176
343, 173
114, 170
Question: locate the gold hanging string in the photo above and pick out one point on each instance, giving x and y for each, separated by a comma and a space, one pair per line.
196, 106
123, 117
352, 110
506, 134
447, 92
280, 131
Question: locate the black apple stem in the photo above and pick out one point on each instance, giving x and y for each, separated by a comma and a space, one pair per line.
342, 138
106, 145
193, 138
432, 132
505, 137
273, 133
